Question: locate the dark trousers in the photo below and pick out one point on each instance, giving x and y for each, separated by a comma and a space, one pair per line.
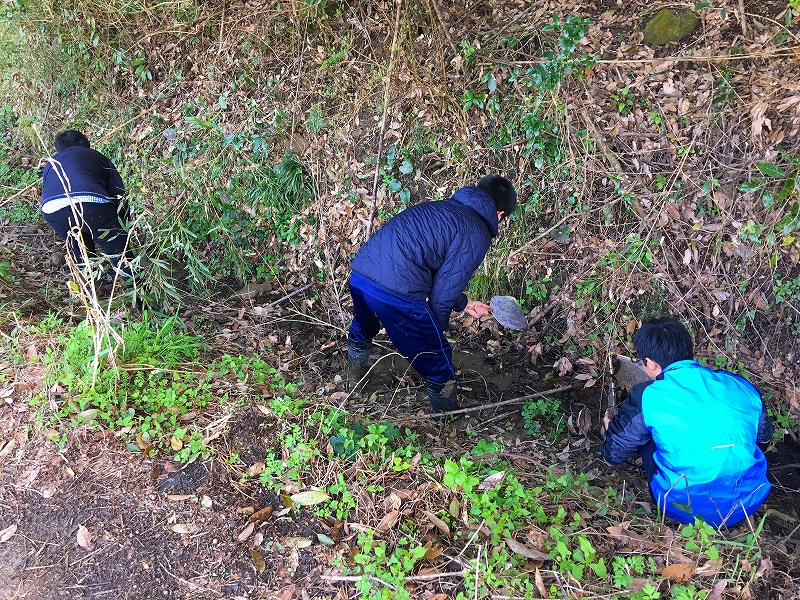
411, 327
99, 225
648, 462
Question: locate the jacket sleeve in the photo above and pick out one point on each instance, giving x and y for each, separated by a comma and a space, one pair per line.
765, 426
627, 432
447, 294
116, 188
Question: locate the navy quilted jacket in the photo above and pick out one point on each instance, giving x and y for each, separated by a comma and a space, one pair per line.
81, 170
430, 250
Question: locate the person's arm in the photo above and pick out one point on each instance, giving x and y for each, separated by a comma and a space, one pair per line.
626, 431
116, 187
765, 427
447, 294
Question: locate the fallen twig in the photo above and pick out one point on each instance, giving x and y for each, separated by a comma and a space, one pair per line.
373, 209
552, 304
426, 577
294, 293
519, 400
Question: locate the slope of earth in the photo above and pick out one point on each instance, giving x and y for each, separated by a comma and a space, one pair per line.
653, 179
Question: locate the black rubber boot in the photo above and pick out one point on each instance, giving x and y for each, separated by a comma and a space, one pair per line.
357, 359
442, 396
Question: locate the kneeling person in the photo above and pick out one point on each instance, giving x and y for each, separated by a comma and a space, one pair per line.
696, 429
412, 274
81, 196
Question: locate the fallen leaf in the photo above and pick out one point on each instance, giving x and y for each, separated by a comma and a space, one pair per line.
716, 591
84, 538
178, 497
259, 564
297, 542
439, 597
540, 585
337, 396
526, 551
764, 567
440, 525
709, 569
628, 538
388, 521
432, 551
309, 498
324, 539
6, 533
261, 515
563, 365
492, 481
256, 469
678, 572
182, 528
246, 532
454, 508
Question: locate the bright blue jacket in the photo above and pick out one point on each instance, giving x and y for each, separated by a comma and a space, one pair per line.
705, 425
430, 250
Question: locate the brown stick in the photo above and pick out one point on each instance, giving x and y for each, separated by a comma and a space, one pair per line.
426, 577
287, 296
545, 310
519, 400
373, 209
742, 18
443, 25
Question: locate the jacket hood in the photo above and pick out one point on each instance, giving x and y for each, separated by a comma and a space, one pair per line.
482, 203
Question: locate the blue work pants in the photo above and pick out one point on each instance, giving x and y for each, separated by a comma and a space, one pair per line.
410, 324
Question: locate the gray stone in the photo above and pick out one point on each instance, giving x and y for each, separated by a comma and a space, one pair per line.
668, 27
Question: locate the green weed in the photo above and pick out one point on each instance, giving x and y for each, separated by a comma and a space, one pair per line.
542, 415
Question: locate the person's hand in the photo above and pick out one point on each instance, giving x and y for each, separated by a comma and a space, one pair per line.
606, 419
477, 309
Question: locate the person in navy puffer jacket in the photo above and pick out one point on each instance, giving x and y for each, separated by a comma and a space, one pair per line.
82, 192
697, 431
412, 274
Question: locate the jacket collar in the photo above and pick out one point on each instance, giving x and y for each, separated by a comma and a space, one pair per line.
482, 203
678, 365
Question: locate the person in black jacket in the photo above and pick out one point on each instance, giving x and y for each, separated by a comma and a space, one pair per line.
81, 197
412, 274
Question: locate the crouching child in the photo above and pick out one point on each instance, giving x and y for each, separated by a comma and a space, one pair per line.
697, 431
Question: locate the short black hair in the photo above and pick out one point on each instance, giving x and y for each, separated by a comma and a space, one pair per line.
664, 341
70, 137
502, 192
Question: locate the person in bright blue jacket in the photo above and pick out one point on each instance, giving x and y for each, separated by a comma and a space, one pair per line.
697, 431
82, 199
412, 274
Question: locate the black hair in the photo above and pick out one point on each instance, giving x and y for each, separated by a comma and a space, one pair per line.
502, 192
70, 137
664, 341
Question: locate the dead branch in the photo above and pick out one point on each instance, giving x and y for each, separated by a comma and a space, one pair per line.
519, 400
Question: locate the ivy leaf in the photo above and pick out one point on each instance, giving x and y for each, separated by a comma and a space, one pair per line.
406, 167
770, 170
